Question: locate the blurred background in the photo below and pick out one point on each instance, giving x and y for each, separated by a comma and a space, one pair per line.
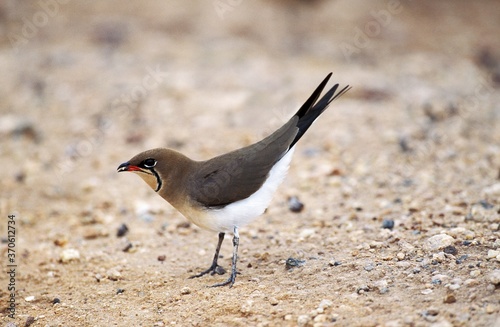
85, 85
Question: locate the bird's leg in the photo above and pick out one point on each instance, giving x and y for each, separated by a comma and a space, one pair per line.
214, 268
232, 278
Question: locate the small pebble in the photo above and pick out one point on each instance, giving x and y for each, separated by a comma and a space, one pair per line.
18, 126
292, 263
383, 290
493, 190
69, 254
56, 300
29, 321
162, 258
325, 304
442, 323
273, 301
61, 241
307, 232
94, 232
321, 318
475, 273
333, 263
246, 308
494, 277
401, 256
388, 224
431, 312
438, 257
450, 249
128, 247
120, 291
471, 282
122, 230
439, 278
486, 205
98, 277
490, 308
303, 320
438, 242
449, 298
113, 274
294, 204
461, 259
369, 267
426, 291
430, 315
493, 254
185, 291
30, 298
408, 320
381, 285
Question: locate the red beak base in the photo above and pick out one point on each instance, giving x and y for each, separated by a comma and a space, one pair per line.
127, 167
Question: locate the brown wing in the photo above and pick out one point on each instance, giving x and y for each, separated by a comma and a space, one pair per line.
238, 174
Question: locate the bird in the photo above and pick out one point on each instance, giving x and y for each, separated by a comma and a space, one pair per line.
228, 191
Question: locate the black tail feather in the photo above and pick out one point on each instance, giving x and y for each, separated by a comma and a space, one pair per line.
311, 109
313, 98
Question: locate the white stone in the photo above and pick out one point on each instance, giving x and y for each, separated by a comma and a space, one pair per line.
69, 254
475, 273
493, 190
438, 242
494, 277
442, 323
185, 290
321, 318
325, 304
462, 232
471, 282
113, 274
439, 257
308, 232
493, 254
303, 320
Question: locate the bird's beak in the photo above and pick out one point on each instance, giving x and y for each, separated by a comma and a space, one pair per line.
123, 167
126, 166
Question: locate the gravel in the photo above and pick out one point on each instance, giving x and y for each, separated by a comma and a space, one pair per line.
438, 242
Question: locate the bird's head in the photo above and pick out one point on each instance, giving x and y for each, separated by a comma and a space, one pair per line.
155, 166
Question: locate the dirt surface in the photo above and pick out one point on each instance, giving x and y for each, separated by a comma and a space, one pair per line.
416, 143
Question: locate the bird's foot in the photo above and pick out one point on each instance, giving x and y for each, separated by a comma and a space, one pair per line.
214, 269
229, 281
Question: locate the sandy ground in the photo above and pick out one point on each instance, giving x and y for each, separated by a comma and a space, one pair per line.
416, 142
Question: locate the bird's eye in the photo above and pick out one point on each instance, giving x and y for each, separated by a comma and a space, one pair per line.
149, 163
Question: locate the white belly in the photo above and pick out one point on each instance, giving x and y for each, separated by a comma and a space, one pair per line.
244, 211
